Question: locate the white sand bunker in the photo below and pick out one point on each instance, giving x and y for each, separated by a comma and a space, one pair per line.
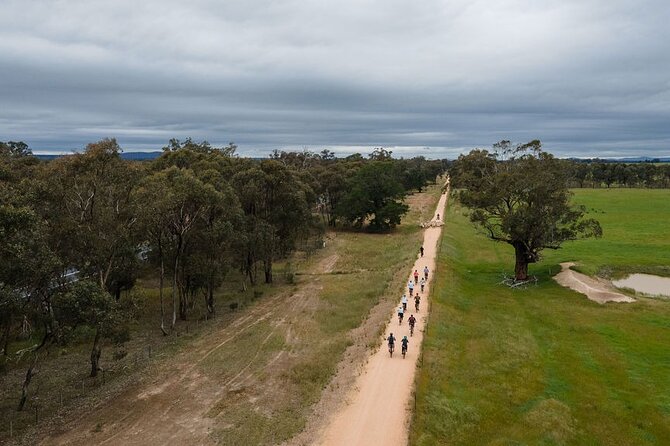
597, 290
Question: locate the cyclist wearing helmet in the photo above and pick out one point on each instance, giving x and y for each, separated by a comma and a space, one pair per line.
404, 341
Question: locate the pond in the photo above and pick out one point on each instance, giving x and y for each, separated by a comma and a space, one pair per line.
645, 283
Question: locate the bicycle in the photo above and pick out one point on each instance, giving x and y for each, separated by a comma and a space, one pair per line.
391, 348
411, 330
404, 351
400, 315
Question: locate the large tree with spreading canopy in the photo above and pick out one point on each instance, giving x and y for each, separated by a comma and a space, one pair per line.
518, 194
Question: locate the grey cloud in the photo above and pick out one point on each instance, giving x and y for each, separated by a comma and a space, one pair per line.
586, 77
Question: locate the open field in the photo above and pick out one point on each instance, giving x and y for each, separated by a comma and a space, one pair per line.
545, 365
245, 377
635, 233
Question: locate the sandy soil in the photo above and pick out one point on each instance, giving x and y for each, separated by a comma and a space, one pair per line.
170, 407
377, 409
597, 290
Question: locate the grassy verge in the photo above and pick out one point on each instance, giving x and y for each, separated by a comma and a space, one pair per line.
370, 268
544, 365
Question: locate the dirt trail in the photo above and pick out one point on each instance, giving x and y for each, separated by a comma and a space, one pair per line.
172, 406
378, 408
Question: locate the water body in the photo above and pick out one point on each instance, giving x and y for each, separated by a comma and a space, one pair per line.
646, 283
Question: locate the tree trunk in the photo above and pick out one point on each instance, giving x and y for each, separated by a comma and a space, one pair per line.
95, 354
174, 287
267, 264
160, 290
26, 382
210, 299
5, 338
46, 341
521, 266
250, 268
182, 307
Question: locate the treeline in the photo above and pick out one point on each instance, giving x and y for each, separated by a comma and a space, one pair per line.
608, 174
76, 230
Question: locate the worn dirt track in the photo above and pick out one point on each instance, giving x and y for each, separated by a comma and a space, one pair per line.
378, 408
171, 408
596, 290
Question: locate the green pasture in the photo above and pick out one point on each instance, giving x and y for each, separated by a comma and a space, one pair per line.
544, 365
636, 233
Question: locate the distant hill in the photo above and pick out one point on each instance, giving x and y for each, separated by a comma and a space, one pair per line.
145, 156
635, 159
133, 156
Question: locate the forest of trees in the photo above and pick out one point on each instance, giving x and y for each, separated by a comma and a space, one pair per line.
598, 173
76, 231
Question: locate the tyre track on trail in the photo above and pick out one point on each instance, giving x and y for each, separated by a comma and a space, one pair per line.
173, 407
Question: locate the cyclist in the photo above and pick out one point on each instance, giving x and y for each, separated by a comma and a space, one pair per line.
417, 301
391, 341
416, 277
404, 302
404, 341
421, 251
412, 321
401, 313
423, 283
410, 285
425, 272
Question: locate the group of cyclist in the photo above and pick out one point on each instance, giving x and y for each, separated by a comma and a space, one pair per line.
403, 308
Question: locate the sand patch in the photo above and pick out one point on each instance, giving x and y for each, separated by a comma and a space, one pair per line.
596, 290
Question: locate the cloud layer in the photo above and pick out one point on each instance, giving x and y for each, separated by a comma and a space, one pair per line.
589, 77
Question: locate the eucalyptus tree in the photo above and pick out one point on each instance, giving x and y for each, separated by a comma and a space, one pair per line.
154, 223
216, 242
86, 303
330, 187
27, 268
277, 212
374, 193
185, 218
519, 195
86, 197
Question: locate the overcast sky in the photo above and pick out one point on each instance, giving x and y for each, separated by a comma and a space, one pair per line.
587, 77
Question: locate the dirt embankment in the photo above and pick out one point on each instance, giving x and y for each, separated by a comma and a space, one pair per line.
597, 290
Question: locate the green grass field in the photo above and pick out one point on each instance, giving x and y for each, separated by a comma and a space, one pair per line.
546, 366
635, 238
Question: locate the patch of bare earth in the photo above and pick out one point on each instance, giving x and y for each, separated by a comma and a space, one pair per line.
175, 402
597, 290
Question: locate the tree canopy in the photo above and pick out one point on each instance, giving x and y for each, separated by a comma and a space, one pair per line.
519, 195
79, 231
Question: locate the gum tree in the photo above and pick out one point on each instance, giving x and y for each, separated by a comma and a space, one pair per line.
519, 195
